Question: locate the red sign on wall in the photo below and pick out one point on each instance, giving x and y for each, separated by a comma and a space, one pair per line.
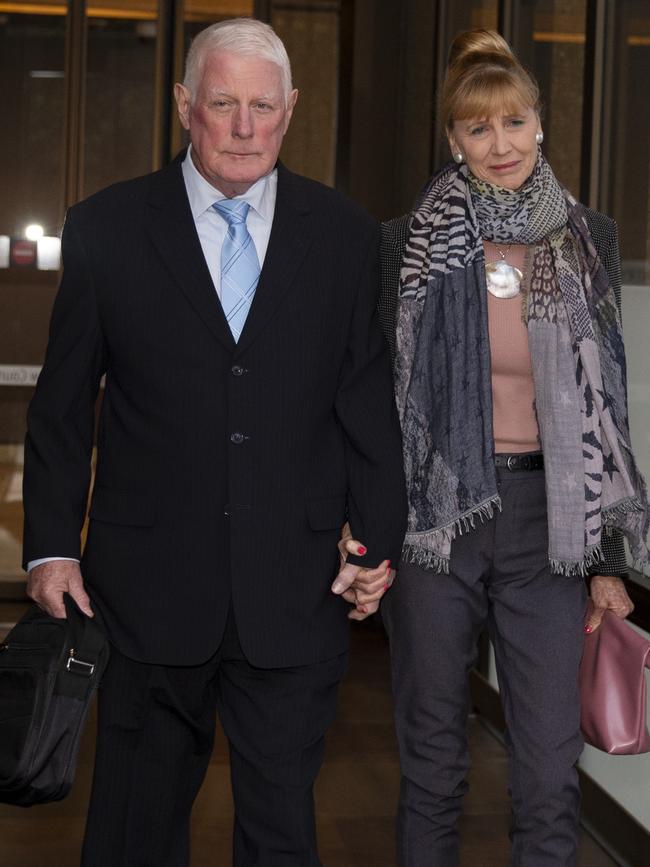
22, 254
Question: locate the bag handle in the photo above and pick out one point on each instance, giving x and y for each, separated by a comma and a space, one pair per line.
88, 639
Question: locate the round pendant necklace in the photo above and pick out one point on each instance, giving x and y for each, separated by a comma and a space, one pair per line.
503, 280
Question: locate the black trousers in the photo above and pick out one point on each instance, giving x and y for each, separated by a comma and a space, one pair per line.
156, 727
499, 577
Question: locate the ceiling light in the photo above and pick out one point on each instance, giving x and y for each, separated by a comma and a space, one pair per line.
34, 231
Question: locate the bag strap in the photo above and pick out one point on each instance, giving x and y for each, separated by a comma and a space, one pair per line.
88, 640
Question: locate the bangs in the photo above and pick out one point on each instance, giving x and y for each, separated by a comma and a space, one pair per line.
493, 92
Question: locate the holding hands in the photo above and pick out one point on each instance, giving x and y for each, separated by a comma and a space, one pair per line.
362, 587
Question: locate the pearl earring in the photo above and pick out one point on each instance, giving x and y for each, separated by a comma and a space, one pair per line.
539, 138
458, 157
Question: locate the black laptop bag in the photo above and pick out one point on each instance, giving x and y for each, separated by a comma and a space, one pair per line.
49, 671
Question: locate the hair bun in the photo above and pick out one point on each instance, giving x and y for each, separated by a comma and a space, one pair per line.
489, 44
484, 76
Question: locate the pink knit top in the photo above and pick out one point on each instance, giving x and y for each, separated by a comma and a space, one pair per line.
513, 392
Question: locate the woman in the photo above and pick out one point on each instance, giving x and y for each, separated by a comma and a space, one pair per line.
499, 302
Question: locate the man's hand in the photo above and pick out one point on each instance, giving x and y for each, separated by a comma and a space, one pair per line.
362, 587
48, 582
607, 592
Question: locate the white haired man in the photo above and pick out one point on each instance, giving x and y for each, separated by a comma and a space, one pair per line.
247, 413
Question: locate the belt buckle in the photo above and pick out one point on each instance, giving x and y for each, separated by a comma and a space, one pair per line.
511, 463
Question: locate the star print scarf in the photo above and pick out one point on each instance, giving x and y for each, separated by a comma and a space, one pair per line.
443, 375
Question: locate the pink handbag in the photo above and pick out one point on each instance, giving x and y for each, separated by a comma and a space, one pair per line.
613, 688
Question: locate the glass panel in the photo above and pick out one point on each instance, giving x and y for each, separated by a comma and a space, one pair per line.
467, 16
120, 83
626, 196
201, 13
461, 16
626, 163
550, 40
32, 61
32, 56
310, 32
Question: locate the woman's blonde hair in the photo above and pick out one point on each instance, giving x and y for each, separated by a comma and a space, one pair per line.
484, 77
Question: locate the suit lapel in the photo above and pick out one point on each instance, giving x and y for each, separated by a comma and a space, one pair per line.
172, 230
288, 244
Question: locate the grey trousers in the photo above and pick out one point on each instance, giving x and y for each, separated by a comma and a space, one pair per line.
499, 578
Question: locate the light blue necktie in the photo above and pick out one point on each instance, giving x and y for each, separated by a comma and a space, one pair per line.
240, 267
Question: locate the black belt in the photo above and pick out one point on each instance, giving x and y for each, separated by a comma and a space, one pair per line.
520, 462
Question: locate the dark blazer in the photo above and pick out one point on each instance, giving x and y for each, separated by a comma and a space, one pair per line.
224, 472
394, 234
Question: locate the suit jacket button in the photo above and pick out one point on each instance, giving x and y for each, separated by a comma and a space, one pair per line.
237, 438
237, 370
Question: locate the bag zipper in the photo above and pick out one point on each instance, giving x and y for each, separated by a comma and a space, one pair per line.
24, 647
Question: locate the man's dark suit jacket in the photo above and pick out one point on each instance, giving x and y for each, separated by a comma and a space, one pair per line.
224, 471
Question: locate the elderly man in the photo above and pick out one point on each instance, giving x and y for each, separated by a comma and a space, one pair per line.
247, 413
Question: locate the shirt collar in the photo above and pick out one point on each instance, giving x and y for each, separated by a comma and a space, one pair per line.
202, 195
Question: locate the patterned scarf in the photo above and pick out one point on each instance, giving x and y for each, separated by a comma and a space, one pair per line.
443, 374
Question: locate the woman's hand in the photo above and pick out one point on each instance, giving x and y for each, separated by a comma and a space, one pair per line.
607, 592
368, 585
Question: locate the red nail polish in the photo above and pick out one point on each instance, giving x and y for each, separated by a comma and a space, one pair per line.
386, 586
589, 629
362, 550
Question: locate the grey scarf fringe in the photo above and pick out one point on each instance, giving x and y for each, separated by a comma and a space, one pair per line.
420, 548
593, 556
425, 559
621, 509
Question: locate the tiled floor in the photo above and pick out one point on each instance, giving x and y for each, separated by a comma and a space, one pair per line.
356, 793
